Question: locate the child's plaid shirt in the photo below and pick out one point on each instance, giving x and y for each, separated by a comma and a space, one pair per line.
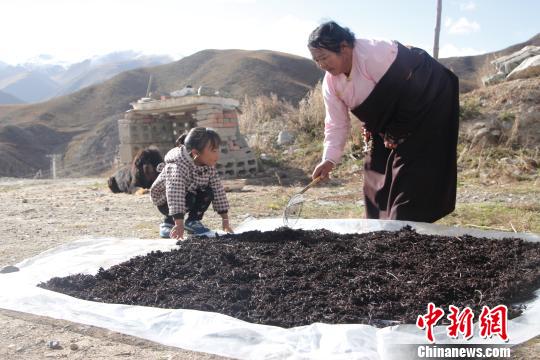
181, 175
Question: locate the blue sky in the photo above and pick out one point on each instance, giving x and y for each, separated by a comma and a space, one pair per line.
72, 30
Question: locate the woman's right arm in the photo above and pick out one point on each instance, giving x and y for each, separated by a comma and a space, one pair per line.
337, 126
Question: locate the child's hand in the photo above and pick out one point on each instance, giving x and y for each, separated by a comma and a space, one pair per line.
226, 227
177, 232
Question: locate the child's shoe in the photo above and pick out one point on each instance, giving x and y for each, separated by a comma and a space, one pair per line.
195, 227
165, 230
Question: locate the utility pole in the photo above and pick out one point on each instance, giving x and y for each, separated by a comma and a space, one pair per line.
53, 158
149, 86
437, 30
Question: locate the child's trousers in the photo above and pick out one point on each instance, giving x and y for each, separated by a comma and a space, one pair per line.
196, 205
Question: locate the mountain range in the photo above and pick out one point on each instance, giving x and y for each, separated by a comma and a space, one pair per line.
6, 98
41, 78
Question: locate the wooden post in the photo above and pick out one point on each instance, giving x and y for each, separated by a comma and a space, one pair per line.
53, 158
437, 30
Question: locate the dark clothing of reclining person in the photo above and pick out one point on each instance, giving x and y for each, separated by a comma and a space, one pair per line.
139, 175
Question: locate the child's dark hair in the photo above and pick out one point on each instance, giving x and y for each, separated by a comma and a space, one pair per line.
198, 137
329, 36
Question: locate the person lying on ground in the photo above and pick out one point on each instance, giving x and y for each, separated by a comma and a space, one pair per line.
139, 176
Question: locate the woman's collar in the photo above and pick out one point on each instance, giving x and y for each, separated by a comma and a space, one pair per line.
353, 57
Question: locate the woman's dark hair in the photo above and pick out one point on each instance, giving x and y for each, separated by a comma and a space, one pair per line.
329, 36
198, 137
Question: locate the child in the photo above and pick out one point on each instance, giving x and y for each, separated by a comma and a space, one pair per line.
189, 183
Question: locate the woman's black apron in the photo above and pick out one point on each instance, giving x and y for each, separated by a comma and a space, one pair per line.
416, 102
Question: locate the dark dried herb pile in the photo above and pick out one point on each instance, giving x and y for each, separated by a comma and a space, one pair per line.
294, 277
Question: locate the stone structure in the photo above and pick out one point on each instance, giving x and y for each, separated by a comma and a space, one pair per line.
509, 66
506, 64
528, 68
158, 123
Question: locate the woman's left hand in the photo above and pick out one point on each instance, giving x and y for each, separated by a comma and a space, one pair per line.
392, 142
390, 145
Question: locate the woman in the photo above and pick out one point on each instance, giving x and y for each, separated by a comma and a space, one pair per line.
408, 104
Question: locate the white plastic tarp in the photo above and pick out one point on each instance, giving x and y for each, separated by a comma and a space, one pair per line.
220, 334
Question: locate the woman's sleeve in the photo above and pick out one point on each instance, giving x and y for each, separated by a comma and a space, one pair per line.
337, 124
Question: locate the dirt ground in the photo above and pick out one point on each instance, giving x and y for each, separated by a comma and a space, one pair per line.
42, 214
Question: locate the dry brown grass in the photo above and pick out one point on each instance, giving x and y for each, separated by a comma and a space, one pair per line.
308, 119
265, 116
498, 164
